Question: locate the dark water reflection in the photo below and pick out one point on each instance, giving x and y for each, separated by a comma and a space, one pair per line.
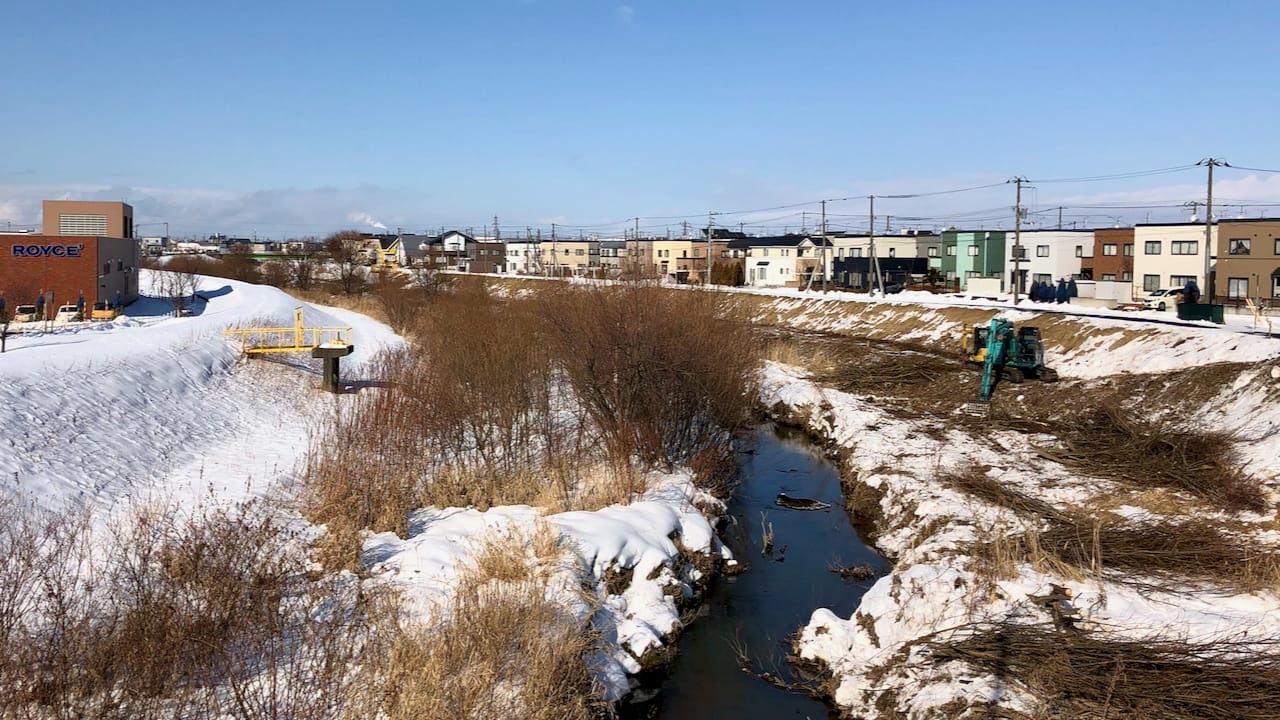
755, 612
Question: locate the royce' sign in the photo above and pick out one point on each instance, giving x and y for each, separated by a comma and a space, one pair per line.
47, 250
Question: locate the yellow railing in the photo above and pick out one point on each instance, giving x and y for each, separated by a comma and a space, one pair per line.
259, 340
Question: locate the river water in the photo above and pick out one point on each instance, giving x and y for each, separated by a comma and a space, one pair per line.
754, 613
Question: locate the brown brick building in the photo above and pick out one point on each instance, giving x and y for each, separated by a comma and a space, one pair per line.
98, 268
88, 217
1112, 255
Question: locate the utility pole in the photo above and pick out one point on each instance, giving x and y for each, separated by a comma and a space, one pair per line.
824, 246
684, 230
1017, 239
871, 238
1059, 217
637, 233
1208, 226
497, 234
554, 260
710, 224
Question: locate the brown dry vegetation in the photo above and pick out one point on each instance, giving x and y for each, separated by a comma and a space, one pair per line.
561, 398
1075, 543
505, 647
1082, 675
201, 618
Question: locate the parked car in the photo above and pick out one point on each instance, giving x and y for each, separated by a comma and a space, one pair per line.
24, 313
1162, 299
67, 313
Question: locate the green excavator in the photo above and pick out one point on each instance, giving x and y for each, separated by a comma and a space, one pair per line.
1004, 354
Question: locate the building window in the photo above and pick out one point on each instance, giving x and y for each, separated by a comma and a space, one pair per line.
951, 274
1180, 280
1128, 249
968, 274
1237, 287
1238, 246
1041, 278
1151, 247
1275, 284
1109, 249
1277, 246
933, 251
1185, 247
119, 266
973, 251
1079, 251
1150, 283
106, 268
764, 252
579, 252
893, 252
1042, 251
1019, 252
951, 252
857, 252
1126, 276
1108, 276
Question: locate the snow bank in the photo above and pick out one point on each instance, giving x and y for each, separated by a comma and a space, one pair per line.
649, 540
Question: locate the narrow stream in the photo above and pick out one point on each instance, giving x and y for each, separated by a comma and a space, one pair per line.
755, 612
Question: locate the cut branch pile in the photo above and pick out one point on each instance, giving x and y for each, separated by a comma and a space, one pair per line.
1107, 442
1132, 553
1086, 675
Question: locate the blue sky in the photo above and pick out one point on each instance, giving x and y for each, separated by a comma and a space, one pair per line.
291, 118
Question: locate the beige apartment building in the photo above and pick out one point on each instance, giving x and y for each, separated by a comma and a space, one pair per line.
88, 218
1248, 265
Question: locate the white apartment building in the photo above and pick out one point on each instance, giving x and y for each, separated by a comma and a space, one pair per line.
1048, 255
1168, 255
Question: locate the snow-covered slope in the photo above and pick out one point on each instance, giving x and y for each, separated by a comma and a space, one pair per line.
92, 413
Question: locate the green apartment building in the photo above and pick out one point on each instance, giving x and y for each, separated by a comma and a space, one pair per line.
965, 255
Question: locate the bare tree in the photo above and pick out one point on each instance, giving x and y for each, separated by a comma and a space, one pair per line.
302, 271
177, 283
344, 252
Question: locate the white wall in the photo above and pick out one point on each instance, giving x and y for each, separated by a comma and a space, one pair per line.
1061, 262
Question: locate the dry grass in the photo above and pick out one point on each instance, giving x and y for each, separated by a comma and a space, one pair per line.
1092, 676
506, 648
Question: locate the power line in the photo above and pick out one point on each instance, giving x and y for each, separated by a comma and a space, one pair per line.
1119, 176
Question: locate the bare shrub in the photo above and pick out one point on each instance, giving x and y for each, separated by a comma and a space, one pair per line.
208, 617
402, 301
275, 273
661, 374
302, 271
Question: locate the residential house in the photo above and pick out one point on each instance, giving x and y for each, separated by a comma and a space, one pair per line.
612, 255
457, 251
1111, 257
1046, 255
523, 257
967, 254
782, 261
1169, 255
857, 273
571, 258
1248, 266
